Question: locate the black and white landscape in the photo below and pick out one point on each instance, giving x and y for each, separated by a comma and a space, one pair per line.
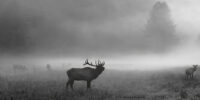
99, 50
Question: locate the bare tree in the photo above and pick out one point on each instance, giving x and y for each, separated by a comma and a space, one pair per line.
190, 72
85, 74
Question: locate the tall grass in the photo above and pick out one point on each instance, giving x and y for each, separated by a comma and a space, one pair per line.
111, 85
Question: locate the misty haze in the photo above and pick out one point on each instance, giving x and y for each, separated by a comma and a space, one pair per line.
99, 50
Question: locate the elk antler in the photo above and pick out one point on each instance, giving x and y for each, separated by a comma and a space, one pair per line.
103, 63
97, 63
87, 63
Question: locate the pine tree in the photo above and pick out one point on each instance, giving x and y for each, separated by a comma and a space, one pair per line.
160, 29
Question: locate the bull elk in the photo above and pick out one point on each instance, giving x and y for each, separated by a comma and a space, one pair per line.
190, 72
85, 74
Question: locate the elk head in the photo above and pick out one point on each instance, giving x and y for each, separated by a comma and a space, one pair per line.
98, 64
195, 67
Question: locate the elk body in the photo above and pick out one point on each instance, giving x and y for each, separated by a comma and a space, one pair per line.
84, 74
190, 72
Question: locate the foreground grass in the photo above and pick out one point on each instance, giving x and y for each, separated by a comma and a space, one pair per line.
111, 85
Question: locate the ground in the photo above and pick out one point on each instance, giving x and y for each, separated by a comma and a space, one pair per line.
111, 85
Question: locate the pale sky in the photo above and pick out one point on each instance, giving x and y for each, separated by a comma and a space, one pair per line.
186, 14
114, 30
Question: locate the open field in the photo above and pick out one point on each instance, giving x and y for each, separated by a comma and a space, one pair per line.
111, 85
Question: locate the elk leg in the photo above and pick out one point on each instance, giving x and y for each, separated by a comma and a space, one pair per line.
88, 84
185, 77
188, 77
67, 84
71, 84
192, 76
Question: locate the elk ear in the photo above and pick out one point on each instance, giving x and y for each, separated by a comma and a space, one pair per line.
195, 66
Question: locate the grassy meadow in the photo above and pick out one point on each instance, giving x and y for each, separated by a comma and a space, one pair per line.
43, 84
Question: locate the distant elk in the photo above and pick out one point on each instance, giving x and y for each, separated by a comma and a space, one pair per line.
85, 74
48, 66
19, 67
190, 72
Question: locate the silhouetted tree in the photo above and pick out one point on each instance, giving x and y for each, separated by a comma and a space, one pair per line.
160, 29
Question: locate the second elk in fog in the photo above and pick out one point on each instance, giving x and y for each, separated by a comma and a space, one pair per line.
48, 66
190, 72
85, 74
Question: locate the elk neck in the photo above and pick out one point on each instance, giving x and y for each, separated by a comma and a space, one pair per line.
99, 70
